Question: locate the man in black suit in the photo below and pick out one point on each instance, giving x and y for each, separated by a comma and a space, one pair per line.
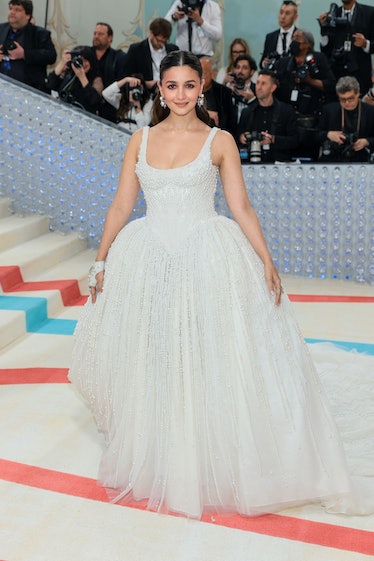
348, 40
306, 82
273, 119
347, 127
110, 64
25, 49
144, 57
277, 43
218, 99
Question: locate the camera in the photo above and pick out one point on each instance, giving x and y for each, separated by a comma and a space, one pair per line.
333, 20
273, 59
340, 152
8, 45
188, 5
310, 67
76, 58
253, 140
137, 93
239, 83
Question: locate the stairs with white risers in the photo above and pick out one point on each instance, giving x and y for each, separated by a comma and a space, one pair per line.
42, 256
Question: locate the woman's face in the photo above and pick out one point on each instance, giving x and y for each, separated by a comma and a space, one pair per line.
180, 87
236, 50
86, 65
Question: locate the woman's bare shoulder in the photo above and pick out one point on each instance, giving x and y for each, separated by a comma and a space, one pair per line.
223, 145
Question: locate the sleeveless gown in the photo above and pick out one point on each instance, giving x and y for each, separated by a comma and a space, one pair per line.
204, 389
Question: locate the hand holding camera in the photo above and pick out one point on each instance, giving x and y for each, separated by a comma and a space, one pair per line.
191, 9
11, 50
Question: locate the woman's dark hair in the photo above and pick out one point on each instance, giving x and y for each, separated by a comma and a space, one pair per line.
87, 53
125, 104
178, 58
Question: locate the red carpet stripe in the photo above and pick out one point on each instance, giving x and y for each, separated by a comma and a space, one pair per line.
329, 298
287, 527
33, 376
11, 280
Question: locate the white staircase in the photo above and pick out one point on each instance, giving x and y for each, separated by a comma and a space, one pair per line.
42, 256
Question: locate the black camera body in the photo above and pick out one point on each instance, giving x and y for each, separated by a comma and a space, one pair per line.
188, 5
342, 152
310, 67
137, 92
76, 58
239, 83
333, 21
8, 45
273, 59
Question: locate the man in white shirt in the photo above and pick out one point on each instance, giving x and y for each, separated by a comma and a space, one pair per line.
199, 25
145, 56
279, 41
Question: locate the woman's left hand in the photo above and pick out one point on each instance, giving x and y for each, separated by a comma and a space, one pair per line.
274, 282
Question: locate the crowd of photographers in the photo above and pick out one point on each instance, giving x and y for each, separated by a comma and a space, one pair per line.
297, 103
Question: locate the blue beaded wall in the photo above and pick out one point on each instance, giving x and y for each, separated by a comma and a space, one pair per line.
56, 160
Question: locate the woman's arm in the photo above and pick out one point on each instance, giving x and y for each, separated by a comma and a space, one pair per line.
225, 154
122, 205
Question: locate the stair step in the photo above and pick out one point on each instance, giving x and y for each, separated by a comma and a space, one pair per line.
4, 207
15, 230
12, 327
42, 253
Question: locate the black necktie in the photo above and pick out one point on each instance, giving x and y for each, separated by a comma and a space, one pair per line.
284, 41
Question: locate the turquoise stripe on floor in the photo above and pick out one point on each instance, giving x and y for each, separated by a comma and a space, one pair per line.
365, 348
37, 320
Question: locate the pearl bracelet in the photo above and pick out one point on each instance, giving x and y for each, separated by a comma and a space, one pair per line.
97, 267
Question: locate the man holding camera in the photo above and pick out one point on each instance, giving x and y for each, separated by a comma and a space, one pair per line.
268, 121
347, 39
306, 82
242, 85
277, 43
347, 126
198, 25
145, 56
25, 49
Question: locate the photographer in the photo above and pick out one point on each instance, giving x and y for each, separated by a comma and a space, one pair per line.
347, 35
306, 82
347, 127
277, 43
76, 79
198, 25
274, 121
241, 84
25, 49
131, 99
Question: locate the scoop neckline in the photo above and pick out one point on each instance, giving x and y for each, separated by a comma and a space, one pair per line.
178, 167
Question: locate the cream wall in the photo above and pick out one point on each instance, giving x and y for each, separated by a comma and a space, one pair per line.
72, 21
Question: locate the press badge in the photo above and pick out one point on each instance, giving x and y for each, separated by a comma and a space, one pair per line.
347, 46
294, 95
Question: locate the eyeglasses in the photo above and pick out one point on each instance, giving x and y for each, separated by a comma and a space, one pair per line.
347, 99
287, 2
242, 52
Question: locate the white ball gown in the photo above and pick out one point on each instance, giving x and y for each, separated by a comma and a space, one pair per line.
204, 389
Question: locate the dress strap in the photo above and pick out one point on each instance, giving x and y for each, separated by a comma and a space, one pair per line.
143, 144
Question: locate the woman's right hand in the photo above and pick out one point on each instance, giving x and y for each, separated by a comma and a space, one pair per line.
98, 288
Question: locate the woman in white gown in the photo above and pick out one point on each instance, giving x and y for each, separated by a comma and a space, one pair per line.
189, 357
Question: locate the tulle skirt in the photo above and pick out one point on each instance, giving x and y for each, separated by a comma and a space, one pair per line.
205, 390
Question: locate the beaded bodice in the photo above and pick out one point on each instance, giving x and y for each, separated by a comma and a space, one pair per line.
178, 198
